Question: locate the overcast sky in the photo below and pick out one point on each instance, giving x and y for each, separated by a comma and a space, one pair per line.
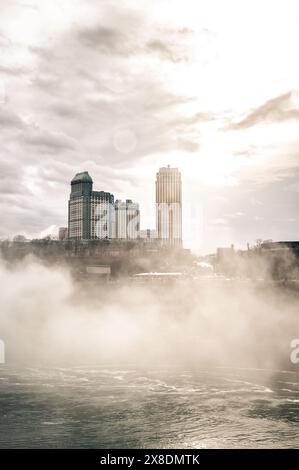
120, 88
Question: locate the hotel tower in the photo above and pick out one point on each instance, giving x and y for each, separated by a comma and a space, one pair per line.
169, 205
91, 213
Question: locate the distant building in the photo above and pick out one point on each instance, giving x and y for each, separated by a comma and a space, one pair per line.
225, 253
148, 234
169, 205
91, 213
127, 219
157, 278
96, 273
62, 233
120, 219
270, 245
225, 261
133, 219
19, 239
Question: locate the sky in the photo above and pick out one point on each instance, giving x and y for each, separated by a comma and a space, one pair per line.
122, 88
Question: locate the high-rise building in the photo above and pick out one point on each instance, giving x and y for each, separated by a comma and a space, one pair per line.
148, 234
169, 205
91, 213
120, 219
62, 233
127, 219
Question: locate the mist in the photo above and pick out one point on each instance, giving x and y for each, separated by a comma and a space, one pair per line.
49, 319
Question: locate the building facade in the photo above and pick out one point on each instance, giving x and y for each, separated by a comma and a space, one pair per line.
148, 234
91, 214
169, 205
62, 233
127, 219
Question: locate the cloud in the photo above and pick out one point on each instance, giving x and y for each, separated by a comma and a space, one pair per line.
49, 141
11, 175
9, 119
4, 41
105, 39
188, 145
277, 109
128, 33
12, 70
166, 51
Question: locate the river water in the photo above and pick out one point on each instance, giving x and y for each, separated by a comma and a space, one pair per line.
107, 407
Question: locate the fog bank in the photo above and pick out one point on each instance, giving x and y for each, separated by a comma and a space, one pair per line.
48, 319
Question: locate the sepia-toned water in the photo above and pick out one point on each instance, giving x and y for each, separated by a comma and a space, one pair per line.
89, 407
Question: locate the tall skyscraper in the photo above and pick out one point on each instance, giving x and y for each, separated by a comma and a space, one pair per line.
91, 213
169, 205
127, 219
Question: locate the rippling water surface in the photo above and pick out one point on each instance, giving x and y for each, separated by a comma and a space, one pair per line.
105, 407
